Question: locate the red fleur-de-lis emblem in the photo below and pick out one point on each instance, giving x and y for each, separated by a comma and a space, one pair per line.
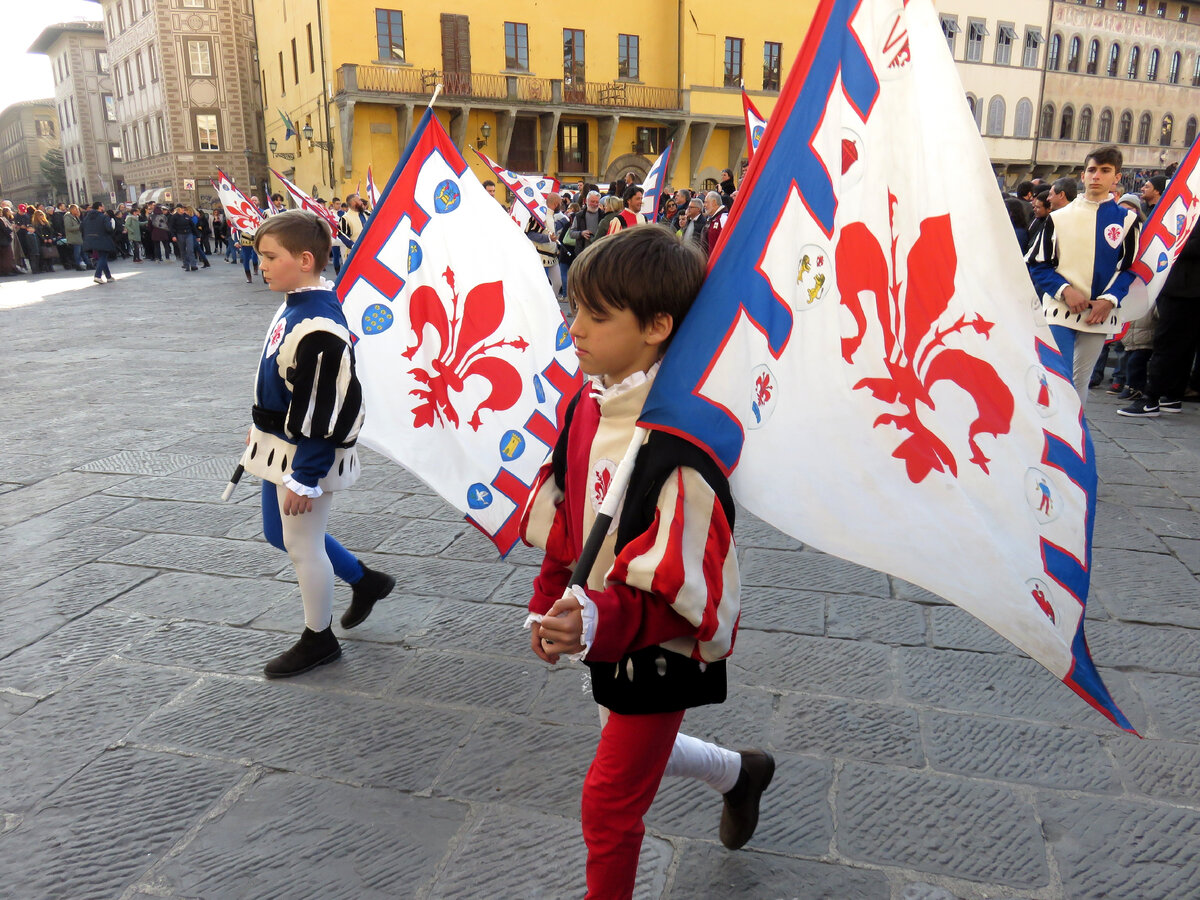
916, 343
462, 351
762, 389
600, 486
1114, 233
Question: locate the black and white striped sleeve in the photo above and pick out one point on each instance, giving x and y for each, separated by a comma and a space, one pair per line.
326, 396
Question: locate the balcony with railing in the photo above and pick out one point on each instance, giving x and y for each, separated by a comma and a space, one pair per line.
525, 90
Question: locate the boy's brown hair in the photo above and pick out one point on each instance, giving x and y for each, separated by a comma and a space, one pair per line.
1108, 155
296, 231
647, 270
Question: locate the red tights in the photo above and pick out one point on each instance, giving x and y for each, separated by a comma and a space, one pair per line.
619, 788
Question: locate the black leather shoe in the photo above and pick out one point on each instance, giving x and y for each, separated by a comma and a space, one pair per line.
369, 589
315, 648
739, 818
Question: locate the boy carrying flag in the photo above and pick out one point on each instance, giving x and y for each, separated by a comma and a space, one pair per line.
659, 611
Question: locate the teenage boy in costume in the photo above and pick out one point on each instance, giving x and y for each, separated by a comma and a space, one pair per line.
1081, 262
307, 415
659, 611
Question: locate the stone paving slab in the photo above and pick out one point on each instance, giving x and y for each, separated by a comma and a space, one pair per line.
100, 830
193, 553
366, 843
142, 462
847, 729
703, 873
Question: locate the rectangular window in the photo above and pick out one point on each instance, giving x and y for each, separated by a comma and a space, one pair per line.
141, 72
146, 137
1120, 6
206, 131
733, 62
75, 119
1162, 11
312, 60
389, 34
1183, 14
628, 52
117, 82
1141, 7
152, 55
195, 4
1099, 4
772, 60
282, 83
1033, 46
976, 32
651, 141
115, 150
523, 148
1006, 36
101, 62
128, 77
120, 18
574, 68
572, 147
110, 107
295, 64
45, 128
199, 58
516, 46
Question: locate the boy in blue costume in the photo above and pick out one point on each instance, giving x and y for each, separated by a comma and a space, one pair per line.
307, 414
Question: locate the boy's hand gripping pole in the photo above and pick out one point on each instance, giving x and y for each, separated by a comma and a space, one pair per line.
233, 480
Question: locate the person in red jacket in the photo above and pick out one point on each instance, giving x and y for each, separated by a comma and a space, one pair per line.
658, 613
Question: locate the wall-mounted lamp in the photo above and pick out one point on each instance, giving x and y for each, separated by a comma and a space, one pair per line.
273, 145
307, 131
635, 147
485, 132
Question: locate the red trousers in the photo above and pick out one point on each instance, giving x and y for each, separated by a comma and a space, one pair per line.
619, 788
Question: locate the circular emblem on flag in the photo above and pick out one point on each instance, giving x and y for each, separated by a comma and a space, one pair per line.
1037, 388
814, 277
528, 191
850, 161
512, 445
756, 134
538, 389
764, 393
1042, 495
376, 318
1180, 221
562, 340
414, 256
1041, 595
446, 197
1163, 260
478, 496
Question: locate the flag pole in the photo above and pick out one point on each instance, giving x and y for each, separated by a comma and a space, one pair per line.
437, 90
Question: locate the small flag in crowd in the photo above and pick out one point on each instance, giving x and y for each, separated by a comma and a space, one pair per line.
530, 190
756, 125
876, 385
241, 213
465, 361
652, 184
289, 129
304, 201
372, 191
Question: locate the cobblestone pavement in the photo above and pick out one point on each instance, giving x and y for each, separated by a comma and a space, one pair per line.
920, 757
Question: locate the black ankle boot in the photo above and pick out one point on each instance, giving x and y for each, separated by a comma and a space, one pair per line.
373, 586
315, 648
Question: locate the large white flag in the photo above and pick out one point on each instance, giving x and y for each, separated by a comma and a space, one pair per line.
865, 357
464, 358
241, 213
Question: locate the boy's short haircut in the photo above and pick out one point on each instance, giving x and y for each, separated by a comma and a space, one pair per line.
612, 274
296, 231
1108, 155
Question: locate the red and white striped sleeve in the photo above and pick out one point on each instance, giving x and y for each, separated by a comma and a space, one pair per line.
678, 580
544, 525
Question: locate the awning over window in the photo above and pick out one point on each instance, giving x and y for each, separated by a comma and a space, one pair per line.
154, 195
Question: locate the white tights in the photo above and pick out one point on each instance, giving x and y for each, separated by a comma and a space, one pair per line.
693, 758
304, 538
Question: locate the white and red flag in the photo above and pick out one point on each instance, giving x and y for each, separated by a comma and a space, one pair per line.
756, 125
372, 191
306, 202
1169, 224
864, 358
242, 214
530, 191
465, 361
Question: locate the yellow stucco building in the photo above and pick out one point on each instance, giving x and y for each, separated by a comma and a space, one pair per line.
556, 88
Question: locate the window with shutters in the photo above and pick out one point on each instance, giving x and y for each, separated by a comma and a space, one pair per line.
456, 54
950, 30
574, 71
1144, 129
1104, 131
976, 32
1189, 134
1023, 123
1173, 72
1085, 124
1093, 60
523, 147
1125, 132
1006, 36
1152, 66
1135, 61
1114, 59
1033, 45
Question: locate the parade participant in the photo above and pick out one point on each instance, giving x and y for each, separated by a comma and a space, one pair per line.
307, 414
1081, 266
355, 219
631, 215
658, 612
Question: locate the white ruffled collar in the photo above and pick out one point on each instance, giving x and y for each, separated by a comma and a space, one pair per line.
324, 285
604, 393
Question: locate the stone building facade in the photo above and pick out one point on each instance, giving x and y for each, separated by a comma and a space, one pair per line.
27, 131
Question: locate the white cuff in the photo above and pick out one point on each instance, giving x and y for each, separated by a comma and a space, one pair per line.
589, 621
302, 489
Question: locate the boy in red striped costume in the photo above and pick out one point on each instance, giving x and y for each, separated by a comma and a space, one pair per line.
660, 609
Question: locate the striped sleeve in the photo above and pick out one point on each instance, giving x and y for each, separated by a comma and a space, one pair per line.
1042, 259
326, 396
678, 582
